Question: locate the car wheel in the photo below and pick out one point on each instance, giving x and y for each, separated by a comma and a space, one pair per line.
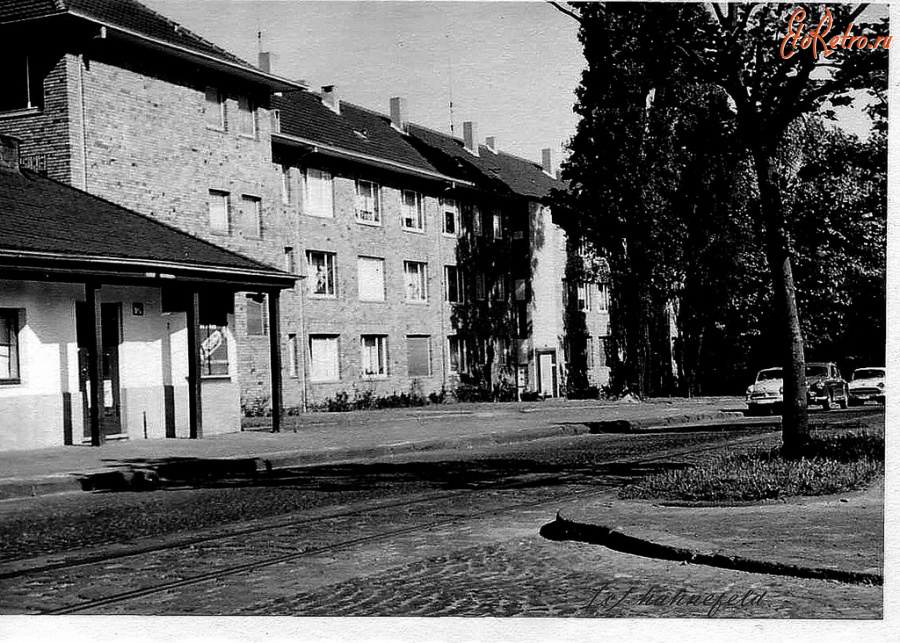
829, 401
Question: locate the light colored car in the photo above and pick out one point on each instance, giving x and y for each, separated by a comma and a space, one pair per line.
765, 394
867, 384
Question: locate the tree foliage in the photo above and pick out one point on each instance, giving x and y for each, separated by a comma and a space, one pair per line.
678, 167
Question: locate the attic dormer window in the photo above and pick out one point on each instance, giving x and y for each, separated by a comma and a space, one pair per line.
20, 87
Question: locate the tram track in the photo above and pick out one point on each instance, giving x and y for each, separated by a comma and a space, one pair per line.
221, 537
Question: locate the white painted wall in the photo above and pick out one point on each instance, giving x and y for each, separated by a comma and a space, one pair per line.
153, 353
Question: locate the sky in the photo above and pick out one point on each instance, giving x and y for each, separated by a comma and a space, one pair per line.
511, 67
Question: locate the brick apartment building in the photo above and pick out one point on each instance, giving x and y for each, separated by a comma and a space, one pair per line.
369, 209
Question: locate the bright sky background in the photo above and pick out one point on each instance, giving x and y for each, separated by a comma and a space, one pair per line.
512, 67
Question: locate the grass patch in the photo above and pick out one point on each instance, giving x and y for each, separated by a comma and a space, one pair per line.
841, 463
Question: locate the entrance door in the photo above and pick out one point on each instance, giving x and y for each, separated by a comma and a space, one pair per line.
110, 409
546, 368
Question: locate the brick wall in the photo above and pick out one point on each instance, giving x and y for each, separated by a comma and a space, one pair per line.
396, 318
47, 133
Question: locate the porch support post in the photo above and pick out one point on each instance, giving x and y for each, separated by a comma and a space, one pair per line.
275, 355
195, 412
95, 359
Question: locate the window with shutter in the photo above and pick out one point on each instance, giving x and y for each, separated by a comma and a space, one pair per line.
323, 358
418, 355
370, 277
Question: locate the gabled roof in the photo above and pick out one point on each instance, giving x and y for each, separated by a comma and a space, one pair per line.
133, 19
44, 220
520, 176
355, 130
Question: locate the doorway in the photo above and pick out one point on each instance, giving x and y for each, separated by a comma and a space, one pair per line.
547, 374
110, 396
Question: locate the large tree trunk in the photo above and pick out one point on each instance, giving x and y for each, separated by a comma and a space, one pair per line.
794, 422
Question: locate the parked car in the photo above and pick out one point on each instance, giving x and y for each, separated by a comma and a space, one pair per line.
825, 386
867, 384
764, 395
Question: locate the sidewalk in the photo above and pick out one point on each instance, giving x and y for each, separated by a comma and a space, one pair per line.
838, 537
328, 437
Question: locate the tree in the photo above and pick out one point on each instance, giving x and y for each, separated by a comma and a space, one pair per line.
773, 71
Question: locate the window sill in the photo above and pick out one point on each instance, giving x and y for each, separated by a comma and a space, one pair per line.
371, 301
330, 381
220, 233
413, 230
323, 297
373, 377
373, 224
214, 128
16, 382
214, 378
25, 111
417, 302
252, 137
318, 215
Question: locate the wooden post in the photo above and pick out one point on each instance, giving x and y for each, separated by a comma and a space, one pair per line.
95, 358
195, 411
275, 355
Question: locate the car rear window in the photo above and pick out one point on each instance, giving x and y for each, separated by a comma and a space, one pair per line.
868, 373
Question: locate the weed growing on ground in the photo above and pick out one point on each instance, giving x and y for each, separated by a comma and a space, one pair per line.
841, 463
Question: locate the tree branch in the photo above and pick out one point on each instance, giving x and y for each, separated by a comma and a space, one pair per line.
566, 11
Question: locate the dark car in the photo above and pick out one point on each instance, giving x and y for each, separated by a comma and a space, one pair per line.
825, 386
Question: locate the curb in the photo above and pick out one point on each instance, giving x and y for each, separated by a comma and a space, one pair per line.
561, 529
212, 468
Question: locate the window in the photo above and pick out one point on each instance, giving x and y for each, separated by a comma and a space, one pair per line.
498, 290
276, 121
292, 355
589, 352
370, 275
411, 207
457, 354
374, 355
498, 225
477, 223
9, 345
584, 296
451, 216
416, 280
323, 358
246, 117
601, 345
504, 351
286, 192
290, 262
368, 206
22, 87
218, 212
479, 286
213, 351
453, 284
418, 355
318, 198
321, 274
250, 220
257, 315
215, 109
603, 297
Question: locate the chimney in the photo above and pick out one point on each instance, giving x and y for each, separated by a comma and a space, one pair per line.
491, 142
9, 153
265, 62
470, 137
399, 113
330, 98
547, 160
